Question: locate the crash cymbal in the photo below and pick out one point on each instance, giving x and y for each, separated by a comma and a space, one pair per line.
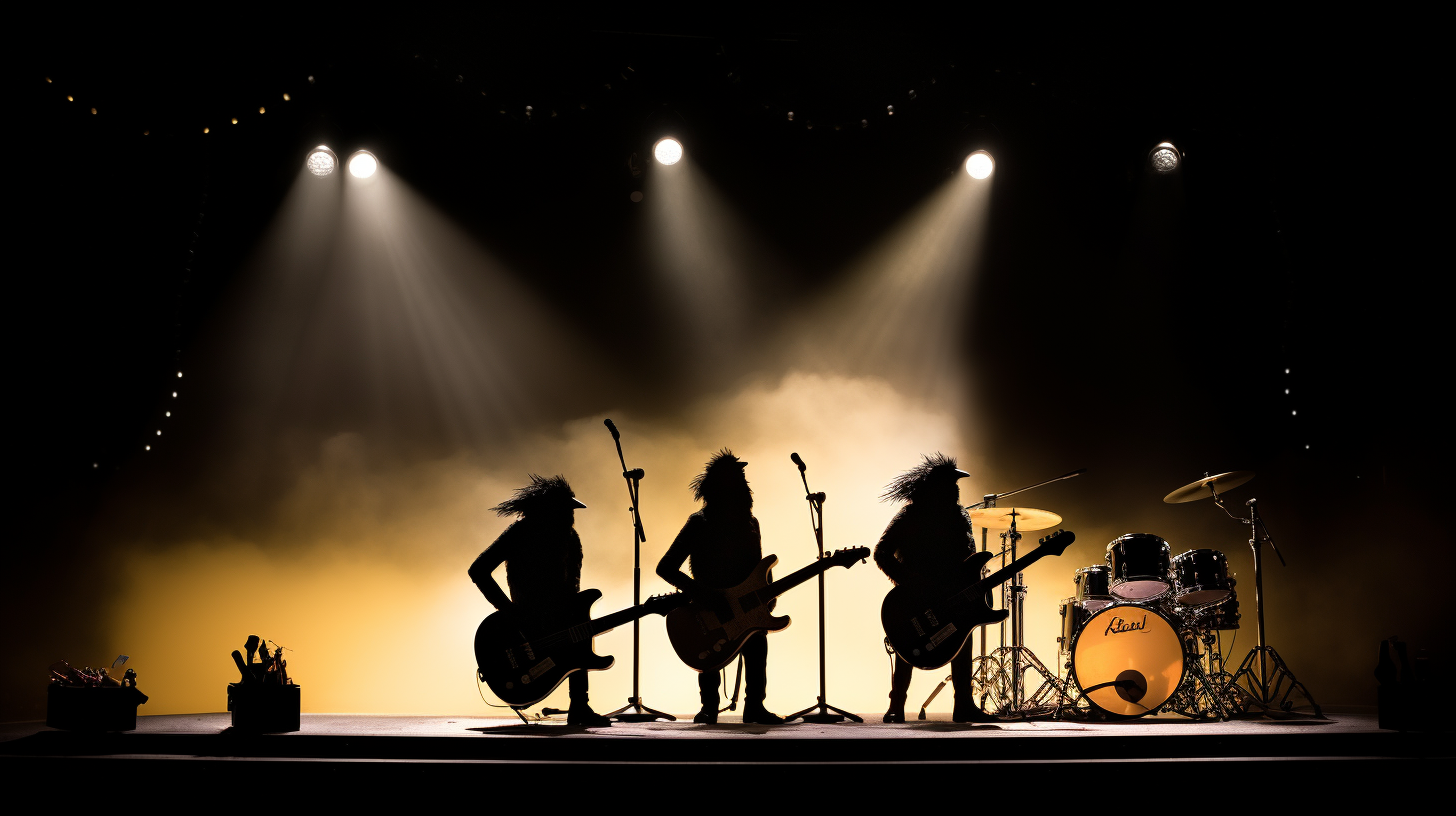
1200, 489
1027, 519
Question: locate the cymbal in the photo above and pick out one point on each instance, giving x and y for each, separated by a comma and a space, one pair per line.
1027, 519
1199, 489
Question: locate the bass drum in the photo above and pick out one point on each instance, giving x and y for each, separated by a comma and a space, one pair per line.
1128, 659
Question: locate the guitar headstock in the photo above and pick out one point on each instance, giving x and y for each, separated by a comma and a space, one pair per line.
1058, 542
663, 604
847, 556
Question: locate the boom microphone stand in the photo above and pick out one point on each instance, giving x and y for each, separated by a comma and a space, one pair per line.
820, 712
1272, 686
638, 712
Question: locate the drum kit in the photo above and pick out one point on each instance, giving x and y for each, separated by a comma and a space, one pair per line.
1142, 632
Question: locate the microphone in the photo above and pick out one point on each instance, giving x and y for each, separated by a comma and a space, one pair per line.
635, 473
799, 462
1251, 502
612, 426
1077, 472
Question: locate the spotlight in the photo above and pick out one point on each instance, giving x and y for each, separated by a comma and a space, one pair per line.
321, 161
979, 165
363, 164
668, 151
1164, 157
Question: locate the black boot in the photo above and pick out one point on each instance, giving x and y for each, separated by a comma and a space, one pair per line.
580, 713
896, 714
754, 712
708, 716
966, 711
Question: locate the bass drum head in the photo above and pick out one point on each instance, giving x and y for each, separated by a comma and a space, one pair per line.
1128, 659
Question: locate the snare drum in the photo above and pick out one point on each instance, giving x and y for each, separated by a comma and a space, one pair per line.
1201, 578
1140, 567
1092, 587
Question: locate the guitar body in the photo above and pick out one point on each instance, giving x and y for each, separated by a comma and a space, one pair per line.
929, 622
707, 644
522, 673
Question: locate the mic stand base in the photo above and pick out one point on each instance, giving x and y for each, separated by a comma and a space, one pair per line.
639, 713
826, 714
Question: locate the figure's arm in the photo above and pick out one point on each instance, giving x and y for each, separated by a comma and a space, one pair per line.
887, 554
669, 568
480, 573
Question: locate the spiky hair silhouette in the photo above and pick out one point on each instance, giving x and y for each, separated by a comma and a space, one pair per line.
935, 468
721, 469
543, 491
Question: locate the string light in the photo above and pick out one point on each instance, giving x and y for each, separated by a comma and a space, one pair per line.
235, 120
285, 97
261, 110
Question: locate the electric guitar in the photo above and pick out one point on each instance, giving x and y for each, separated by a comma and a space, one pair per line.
928, 623
707, 643
522, 665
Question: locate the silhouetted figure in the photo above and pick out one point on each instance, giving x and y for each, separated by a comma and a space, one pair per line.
542, 554
721, 542
929, 536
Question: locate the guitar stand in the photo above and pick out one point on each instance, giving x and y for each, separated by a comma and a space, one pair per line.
634, 710
821, 712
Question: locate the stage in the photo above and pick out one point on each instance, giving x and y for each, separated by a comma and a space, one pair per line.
1289, 755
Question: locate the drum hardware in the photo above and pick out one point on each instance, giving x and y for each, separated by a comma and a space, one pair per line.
1262, 679
989, 672
634, 710
821, 711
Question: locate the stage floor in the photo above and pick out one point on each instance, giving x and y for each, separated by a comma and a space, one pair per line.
373, 748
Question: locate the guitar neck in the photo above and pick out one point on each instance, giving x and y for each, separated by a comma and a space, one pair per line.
1004, 574
616, 619
794, 578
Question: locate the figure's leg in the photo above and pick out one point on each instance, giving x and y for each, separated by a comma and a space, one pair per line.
966, 707
580, 712
708, 694
899, 690
755, 670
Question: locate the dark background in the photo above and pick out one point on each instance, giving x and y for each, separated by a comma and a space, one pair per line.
1299, 235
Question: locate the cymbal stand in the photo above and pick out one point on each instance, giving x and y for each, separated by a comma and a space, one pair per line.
1014, 661
998, 677
634, 710
1271, 687
821, 711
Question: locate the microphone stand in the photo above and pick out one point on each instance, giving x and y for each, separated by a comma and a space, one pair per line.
634, 710
821, 711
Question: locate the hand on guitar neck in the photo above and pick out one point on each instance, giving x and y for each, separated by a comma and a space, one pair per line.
710, 631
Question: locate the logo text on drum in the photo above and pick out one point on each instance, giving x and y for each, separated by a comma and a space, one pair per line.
1117, 625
